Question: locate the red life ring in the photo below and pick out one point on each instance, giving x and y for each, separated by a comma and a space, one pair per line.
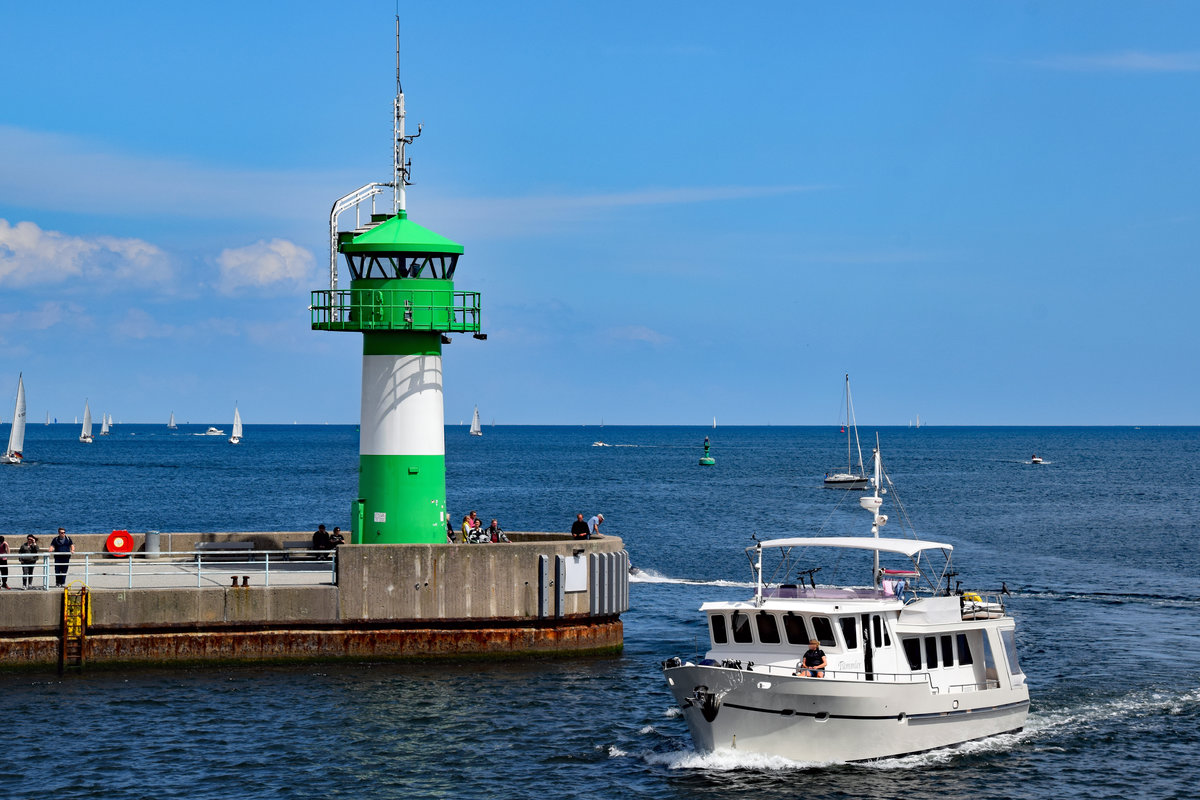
119, 543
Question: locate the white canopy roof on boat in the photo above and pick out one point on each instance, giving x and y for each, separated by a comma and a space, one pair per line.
908, 547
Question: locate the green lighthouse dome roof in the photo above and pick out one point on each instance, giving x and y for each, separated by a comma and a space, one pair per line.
398, 234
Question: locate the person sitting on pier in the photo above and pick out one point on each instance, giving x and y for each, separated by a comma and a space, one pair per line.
336, 537
814, 661
320, 539
494, 533
579, 528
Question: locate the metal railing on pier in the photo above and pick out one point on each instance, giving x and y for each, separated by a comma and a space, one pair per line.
177, 569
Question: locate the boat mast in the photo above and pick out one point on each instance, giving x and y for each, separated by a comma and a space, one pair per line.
873, 503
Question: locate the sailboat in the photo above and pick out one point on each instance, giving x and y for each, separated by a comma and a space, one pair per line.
236, 437
85, 435
16, 436
47, 417
104, 424
849, 479
171, 423
476, 430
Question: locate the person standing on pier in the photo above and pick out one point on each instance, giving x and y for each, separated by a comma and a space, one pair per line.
579, 528
62, 547
3, 563
28, 559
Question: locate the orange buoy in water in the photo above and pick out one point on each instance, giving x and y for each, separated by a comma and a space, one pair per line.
119, 543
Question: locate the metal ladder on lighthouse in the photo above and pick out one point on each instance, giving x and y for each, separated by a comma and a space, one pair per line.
77, 613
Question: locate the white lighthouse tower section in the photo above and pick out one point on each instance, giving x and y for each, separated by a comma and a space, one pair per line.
402, 412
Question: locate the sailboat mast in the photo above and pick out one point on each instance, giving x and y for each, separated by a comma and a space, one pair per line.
853, 424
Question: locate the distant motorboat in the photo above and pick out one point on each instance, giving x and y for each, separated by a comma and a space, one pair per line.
236, 437
211, 432
16, 435
85, 434
1035, 459
601, 444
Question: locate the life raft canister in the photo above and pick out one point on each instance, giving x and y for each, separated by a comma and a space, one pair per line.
119, 543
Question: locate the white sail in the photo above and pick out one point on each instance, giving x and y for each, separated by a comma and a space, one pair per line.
171, 423
236, 436
476, 430
47, 417
104, 424
85, 435
16, 436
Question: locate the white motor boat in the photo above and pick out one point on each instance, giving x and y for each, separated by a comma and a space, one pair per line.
849, 479
211, 432
85, 433
910, 663
16, 435
1035, 459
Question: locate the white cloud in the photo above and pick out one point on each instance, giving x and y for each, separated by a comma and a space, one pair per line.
536, 214
37, 165
277, 264
639, 333
30, 256
1126, 61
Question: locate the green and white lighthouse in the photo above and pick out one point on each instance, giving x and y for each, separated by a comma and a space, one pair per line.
403, 301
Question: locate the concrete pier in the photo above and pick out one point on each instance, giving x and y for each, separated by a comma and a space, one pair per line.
542, 594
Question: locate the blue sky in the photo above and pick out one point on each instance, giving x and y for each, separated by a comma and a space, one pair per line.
985, 212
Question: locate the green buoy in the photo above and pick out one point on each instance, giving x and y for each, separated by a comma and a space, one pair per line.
706, 460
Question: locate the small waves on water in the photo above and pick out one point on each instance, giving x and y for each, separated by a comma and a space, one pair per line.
651, 576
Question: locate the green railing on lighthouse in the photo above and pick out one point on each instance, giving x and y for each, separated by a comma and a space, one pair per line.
383, 308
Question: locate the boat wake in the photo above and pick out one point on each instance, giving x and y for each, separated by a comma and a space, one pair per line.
1115, 598
650, 576
724, 761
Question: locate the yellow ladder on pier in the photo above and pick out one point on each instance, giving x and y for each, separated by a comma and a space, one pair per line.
77, 614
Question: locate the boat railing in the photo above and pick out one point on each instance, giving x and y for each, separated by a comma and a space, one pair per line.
788, 592
856, 676
981, 686
180, 569
979, 605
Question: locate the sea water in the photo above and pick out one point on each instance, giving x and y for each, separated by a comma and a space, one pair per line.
1098, 547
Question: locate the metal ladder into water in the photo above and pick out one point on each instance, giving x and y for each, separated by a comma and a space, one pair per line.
77, 614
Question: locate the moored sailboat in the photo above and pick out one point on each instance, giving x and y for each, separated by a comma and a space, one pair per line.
849, 479
16, 435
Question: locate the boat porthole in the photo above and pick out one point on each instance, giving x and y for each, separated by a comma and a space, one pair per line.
900, 718
671, 681
787, 712
955, 704
822, 716
764, 684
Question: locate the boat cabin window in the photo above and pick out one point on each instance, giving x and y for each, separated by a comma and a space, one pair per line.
1009, 638
768, 628
719, 635
741, 628
948, 650
823, 630
964, 650
931, 659
912, 649
795, 629
850, 632
882, 639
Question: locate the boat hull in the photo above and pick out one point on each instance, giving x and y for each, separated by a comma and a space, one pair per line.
827, 720
847, 481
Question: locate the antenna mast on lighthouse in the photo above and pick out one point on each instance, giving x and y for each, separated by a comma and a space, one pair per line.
400, 166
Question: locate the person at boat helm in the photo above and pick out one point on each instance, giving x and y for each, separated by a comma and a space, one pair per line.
814, 661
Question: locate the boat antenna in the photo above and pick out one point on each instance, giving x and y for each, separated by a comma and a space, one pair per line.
401, 168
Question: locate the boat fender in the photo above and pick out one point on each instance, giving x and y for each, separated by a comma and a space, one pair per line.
974, 598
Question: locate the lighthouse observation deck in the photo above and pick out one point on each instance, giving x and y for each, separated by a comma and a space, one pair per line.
390, 305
